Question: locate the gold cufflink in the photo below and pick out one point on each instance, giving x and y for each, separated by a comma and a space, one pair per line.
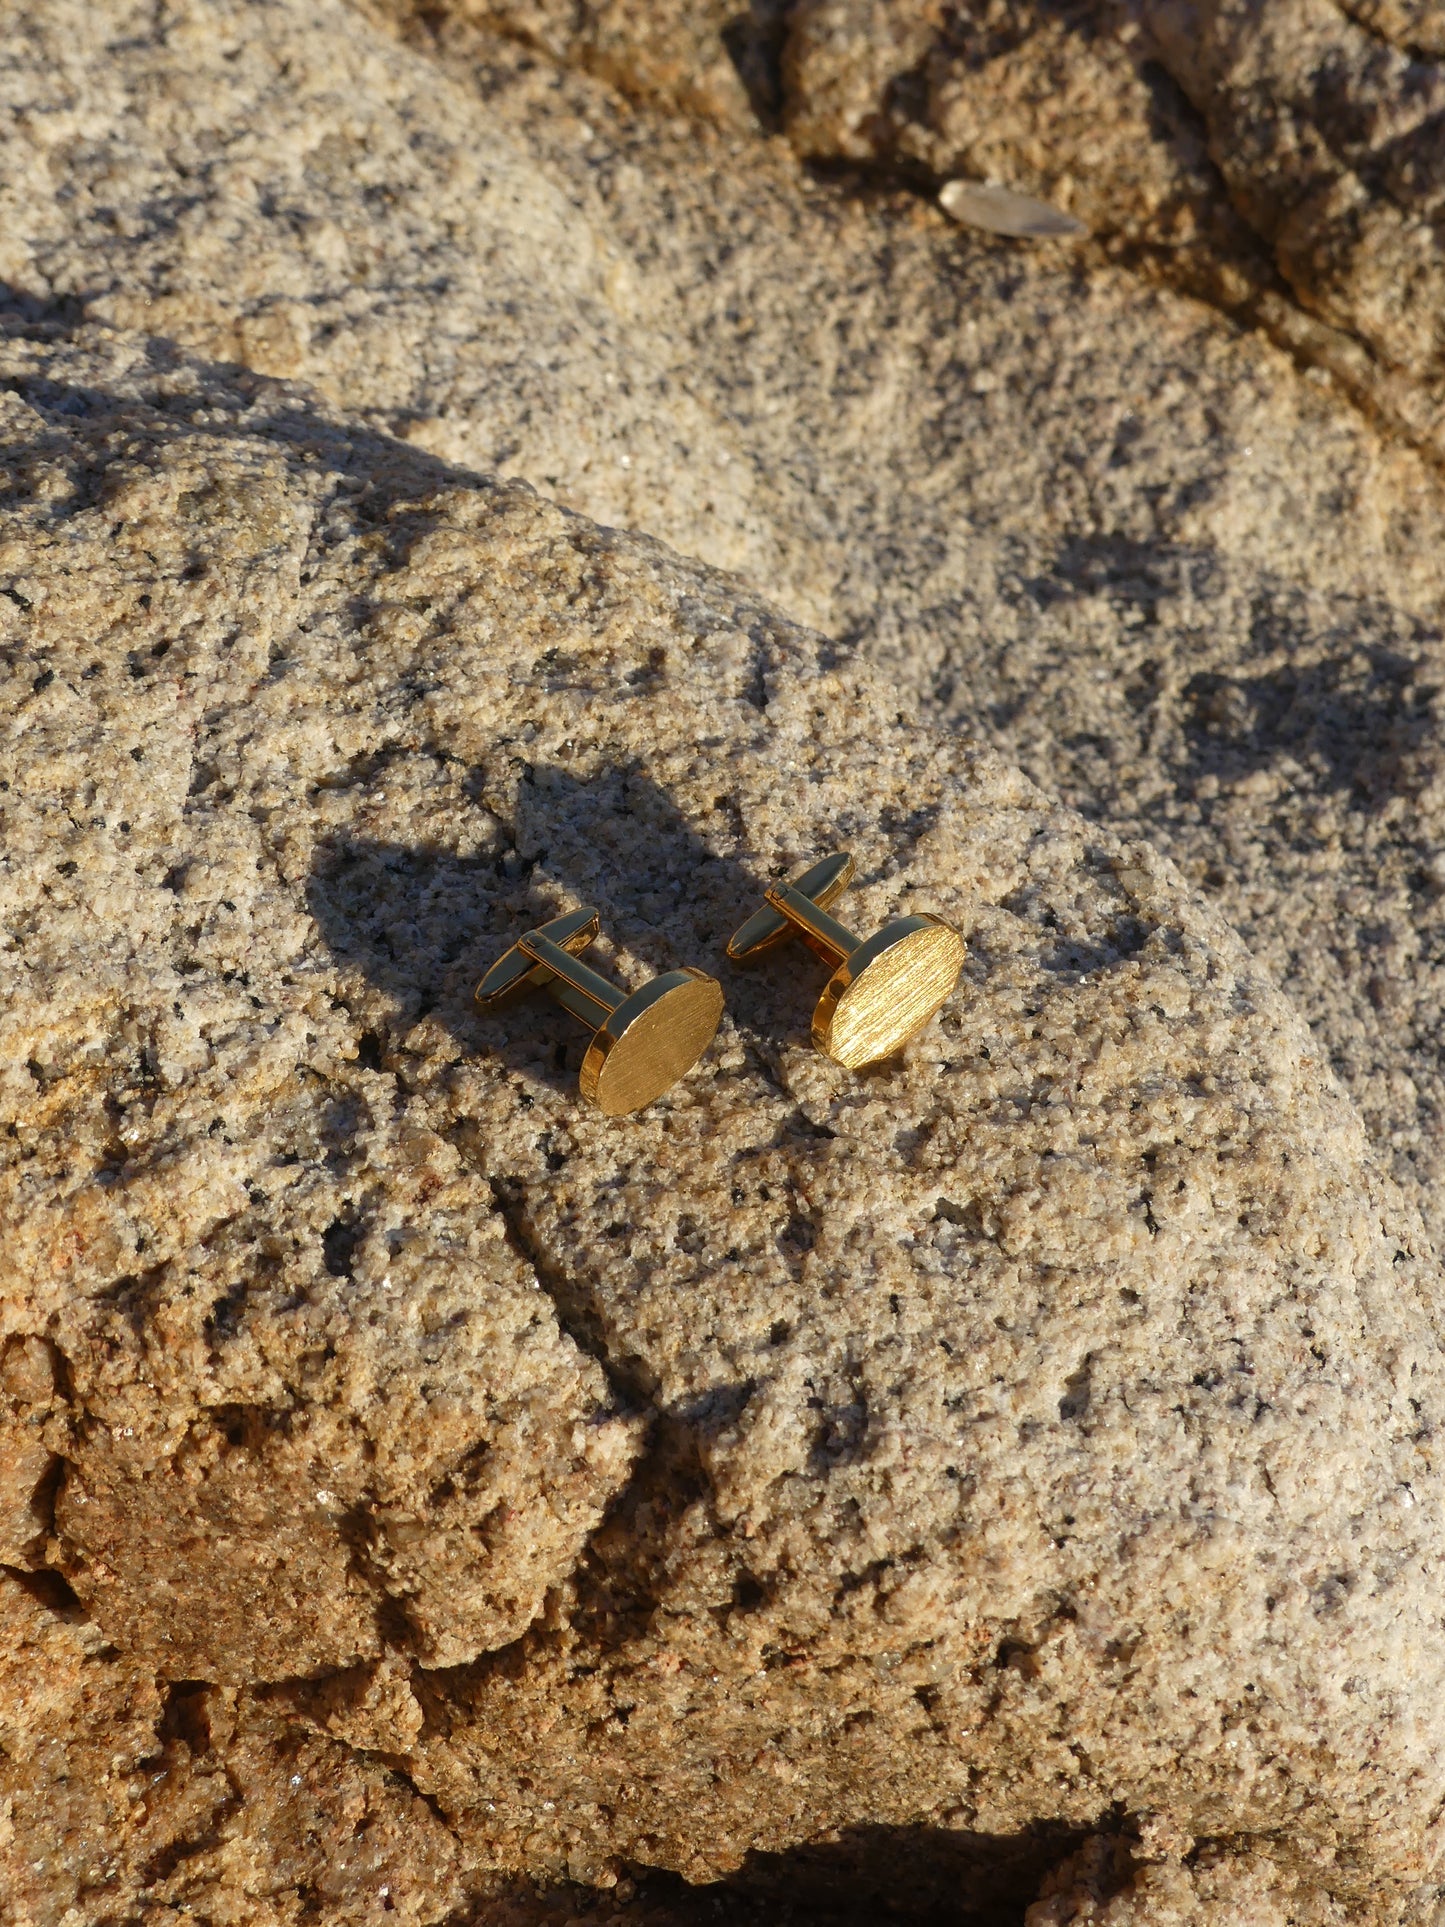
882, 991
643, 1042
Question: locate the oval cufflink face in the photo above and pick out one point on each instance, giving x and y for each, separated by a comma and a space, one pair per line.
887, 990
653, 1038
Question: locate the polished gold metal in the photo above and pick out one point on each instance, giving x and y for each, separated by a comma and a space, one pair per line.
882, 991
642, 1043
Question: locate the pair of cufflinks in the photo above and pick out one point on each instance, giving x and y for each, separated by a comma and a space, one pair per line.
882, 991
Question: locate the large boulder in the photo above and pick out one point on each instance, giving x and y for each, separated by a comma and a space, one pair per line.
1183, 585
1283, 162
847, 1478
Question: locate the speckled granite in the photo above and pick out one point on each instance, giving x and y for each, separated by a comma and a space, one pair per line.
904, 1469
1183, 585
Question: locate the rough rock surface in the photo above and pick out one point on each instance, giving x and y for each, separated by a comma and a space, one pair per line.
1188, 590
704, 57
1109, 1883
877, 1478
1284, 162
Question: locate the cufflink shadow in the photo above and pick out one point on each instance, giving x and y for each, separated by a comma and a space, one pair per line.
413, 928
1359, 721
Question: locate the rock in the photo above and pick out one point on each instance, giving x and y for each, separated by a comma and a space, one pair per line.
1059, 102
1103, 1885
865, 1481
125, 1790
694, 59
126, 1793
1186, 588
1290, 126
1416, 25
708, 58
1329, 144
1281, 162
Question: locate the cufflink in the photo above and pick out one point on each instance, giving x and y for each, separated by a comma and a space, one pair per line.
883, 989
643, 1041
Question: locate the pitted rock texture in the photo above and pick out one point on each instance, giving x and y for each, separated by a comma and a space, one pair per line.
705, 57
1065, 101
1283, 162
1329, 140
1109, 1883
1185, 588
903, 1470
131, 1795
125, 1790
1416, 26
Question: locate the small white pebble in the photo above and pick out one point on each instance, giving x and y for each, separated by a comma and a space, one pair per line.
999, 210
324, 1497
295, 1779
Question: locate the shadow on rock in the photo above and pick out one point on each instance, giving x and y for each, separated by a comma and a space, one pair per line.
909, 1873
1360, 721
926, 1876
382, 469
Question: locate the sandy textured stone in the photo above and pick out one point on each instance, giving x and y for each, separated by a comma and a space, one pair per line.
707, 57
124, 1795
120, 1790
1105, 1885
1418, 26
1187, 589
1330, 145
217, 1511
713, 59
899, 1470
1069, 103
1282, 161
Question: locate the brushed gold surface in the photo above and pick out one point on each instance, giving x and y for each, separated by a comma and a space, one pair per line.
642, 1042
891, 996
575, 985
651, 1040
882, 990
824, 935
